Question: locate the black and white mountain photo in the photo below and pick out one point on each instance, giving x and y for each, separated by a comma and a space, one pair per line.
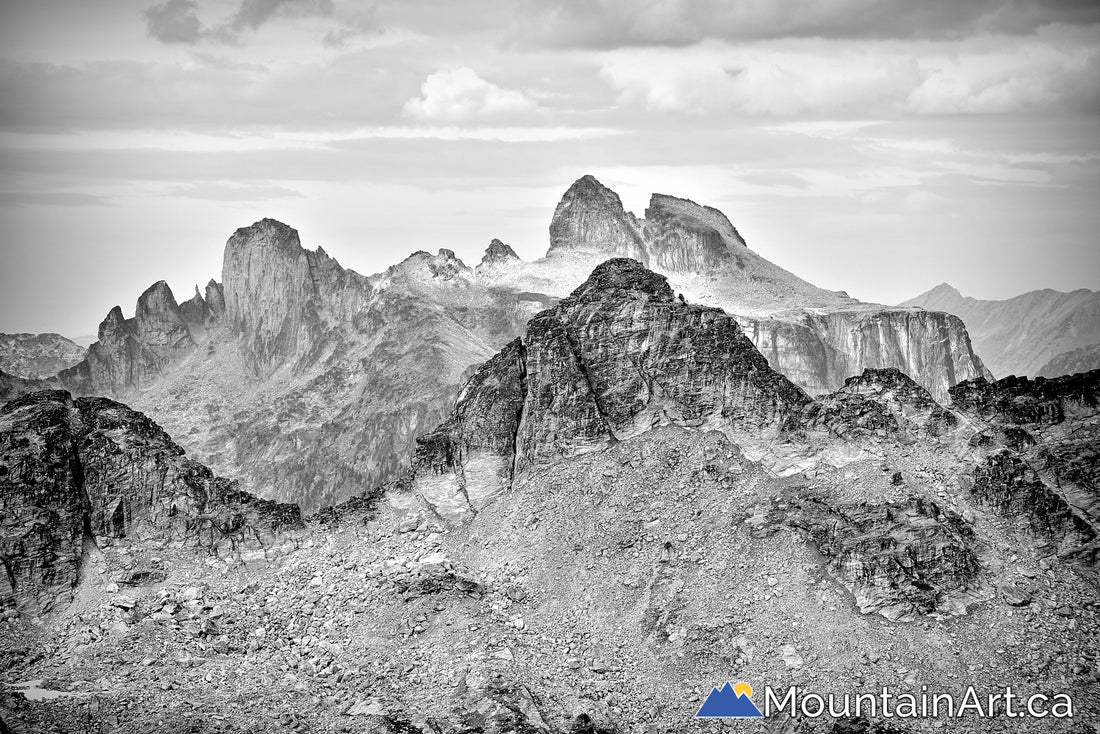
556, 367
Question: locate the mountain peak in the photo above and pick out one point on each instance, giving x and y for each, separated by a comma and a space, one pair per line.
157, 298
690, 215
945, 289
498, 256
590, 218
621, 278
266, 233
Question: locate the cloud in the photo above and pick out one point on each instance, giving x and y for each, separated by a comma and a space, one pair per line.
607, 24
174, 21
995, 74
52, 198
762, 80
216, 191
177, 21
454, 95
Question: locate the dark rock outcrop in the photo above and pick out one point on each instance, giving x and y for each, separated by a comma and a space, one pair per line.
1009, 485
45, 509
1021, 400
75, 470
469, 459
1038, 455
881, 402
899, 559
619, 356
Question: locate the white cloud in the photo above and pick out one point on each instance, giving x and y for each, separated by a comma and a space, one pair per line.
454, 95
991, 74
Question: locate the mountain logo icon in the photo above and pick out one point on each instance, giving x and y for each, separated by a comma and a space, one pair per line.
732, 702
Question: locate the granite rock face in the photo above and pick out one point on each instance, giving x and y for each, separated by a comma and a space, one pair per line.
77, 470
590, 218
131, 352
819, 350
618, 357
685, 237
37, 356
278, 295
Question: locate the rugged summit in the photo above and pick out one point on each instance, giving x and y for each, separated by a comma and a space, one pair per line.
813, 336
1018, 336
37, 355
618, 357
312, 381
132, 352
498, 257
72, 472
280, 297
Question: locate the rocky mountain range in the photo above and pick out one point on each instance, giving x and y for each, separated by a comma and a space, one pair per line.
37, 355
1032, 334
308, 382
623, 508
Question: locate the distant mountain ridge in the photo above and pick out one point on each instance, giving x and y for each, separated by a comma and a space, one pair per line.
36, 356
1020, 335
309, 382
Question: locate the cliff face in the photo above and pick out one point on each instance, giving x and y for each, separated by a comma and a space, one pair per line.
820, 350
72, 471
280, 298
1018, 336
36, 356
590, 219
618, 357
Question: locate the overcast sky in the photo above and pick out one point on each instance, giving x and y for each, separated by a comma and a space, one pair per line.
874, 146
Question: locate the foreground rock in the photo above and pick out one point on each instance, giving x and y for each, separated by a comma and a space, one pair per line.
620, 356
72, 472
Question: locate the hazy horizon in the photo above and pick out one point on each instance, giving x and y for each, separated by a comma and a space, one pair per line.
879, 148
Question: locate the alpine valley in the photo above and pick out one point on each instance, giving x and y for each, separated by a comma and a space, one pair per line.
571, 495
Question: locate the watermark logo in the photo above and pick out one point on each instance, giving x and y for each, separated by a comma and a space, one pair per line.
734, 702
